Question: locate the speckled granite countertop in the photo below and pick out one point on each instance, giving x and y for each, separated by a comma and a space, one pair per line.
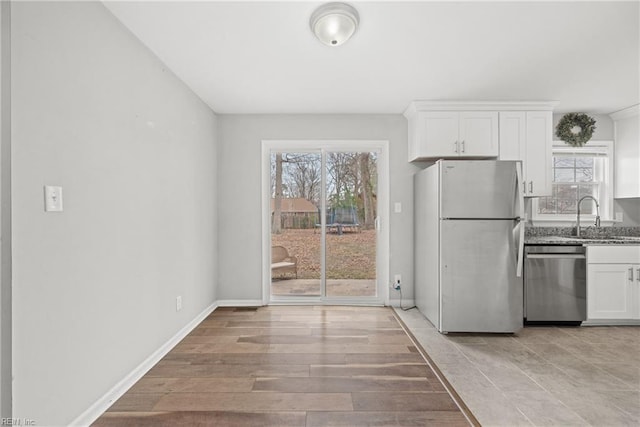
590, 236
560, 240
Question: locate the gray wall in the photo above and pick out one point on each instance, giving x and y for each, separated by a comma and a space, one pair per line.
95, 286
239, 189
630, 209
5, 209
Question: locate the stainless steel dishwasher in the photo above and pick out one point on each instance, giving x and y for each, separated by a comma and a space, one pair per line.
555, 284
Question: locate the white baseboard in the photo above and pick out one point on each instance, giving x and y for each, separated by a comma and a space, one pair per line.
240, 303
102, 404
611, 322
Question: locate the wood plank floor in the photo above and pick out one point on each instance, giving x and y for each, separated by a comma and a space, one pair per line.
290, 366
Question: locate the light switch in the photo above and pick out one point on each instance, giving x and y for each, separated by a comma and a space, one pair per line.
52, 198
397, 207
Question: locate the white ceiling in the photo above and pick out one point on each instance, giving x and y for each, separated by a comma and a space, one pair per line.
261, 57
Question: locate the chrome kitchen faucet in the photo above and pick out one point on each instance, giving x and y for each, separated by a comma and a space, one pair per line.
578, 216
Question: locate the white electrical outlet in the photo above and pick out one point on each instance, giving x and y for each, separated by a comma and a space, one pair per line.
397, 279
397, 207
619, 216
178, 303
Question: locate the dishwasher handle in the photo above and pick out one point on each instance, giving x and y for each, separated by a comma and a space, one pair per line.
557, 256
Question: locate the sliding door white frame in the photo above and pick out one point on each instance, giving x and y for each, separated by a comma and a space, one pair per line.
382, 252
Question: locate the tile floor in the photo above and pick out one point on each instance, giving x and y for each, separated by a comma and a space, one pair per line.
543, 376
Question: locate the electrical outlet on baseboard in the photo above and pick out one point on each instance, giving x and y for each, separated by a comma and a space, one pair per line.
178, 303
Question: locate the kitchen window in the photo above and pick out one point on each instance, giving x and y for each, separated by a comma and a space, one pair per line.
578, 172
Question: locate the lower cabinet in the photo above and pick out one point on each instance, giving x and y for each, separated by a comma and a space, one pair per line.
612, 292
613, 283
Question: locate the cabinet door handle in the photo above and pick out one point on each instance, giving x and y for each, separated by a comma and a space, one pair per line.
631, 274
524, 187
530, 186
638, 275
463, 146
455, 147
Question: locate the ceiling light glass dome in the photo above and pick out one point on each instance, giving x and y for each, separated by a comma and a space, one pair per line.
334, 23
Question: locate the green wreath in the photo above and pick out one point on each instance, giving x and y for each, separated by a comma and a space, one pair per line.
575, 129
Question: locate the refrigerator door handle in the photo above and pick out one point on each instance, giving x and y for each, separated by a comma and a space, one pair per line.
520, 249
520, 194
521, 220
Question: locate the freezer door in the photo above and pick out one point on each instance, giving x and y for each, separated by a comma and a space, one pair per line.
479, 288
479, 189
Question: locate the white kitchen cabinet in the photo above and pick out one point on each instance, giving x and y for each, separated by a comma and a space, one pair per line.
451, 134
472, 129
613, 283
627, 152
527, 136
611, 292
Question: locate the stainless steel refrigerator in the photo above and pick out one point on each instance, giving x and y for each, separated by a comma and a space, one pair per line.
469, 235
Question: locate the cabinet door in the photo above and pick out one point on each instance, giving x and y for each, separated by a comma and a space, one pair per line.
439, 134
537, 168
513, 140
611, 291
479, 134
636, 289
627, 157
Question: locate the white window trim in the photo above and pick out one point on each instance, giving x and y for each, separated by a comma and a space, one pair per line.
606, 205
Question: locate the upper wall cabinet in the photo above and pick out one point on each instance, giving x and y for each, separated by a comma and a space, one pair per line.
442, 134
436, 132
627, 152
460, 129
527, 136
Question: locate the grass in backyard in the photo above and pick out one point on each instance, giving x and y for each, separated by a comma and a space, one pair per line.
349, 256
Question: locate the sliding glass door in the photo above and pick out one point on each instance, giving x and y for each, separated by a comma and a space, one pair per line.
350, 229
323, 224
295, 193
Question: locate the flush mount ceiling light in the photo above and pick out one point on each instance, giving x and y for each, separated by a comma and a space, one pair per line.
334, 23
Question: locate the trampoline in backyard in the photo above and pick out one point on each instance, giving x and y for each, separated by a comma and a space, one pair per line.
341, 220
